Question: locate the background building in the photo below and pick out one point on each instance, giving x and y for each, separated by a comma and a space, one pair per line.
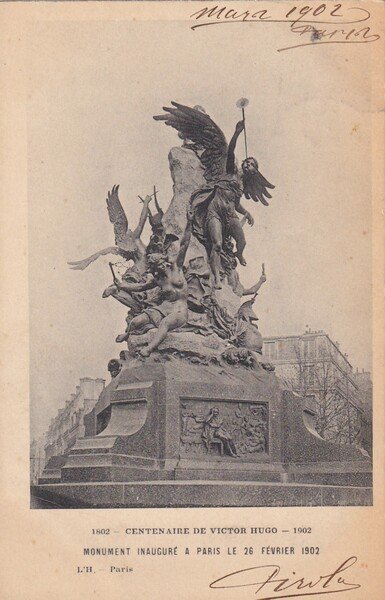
68, 424
364, 382
313, 365
37, 459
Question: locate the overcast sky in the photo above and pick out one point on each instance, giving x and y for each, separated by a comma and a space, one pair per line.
93, 89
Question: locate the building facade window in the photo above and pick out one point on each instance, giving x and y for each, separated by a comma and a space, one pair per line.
309, 348
309, 372
270, 350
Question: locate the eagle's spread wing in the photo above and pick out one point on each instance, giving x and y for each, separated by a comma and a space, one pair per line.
197, 126
254, 186
117, 215
80, 265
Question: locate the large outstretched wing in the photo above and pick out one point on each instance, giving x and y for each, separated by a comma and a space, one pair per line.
80, 265
254, 186
197, 126
117, 215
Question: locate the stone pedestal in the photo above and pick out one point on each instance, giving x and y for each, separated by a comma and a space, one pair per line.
194, 427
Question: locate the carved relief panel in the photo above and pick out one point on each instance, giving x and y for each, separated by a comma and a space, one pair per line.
223, 428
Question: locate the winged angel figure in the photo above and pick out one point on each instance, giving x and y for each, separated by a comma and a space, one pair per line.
216, 205
127, 243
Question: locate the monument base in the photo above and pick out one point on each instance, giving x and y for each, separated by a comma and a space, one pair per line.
189, 494
173, 431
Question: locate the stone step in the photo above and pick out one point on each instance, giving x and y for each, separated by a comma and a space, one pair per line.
185, 494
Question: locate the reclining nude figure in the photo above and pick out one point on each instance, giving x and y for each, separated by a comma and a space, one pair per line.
166, 273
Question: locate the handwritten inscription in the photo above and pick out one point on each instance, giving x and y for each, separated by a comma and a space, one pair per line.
267, 579
313, 25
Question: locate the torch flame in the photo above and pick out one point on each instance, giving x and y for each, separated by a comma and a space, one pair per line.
242, 102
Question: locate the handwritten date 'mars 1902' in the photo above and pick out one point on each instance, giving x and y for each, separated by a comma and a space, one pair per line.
319, 24
268, 584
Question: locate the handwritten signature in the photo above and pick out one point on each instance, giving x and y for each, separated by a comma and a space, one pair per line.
312, 20
266, 578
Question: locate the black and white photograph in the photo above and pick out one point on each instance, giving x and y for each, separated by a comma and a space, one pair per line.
200, 271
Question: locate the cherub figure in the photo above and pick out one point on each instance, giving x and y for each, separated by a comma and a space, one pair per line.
127, 242
215, 207
170, 312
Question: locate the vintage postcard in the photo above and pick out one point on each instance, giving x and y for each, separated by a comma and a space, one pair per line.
193, 306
